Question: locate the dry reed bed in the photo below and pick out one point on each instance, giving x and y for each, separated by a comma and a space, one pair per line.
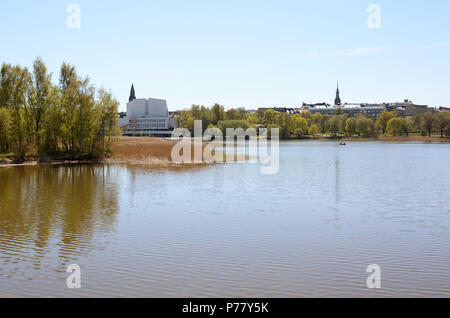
144, 150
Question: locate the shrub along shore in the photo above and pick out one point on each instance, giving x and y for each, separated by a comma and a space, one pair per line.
127, 150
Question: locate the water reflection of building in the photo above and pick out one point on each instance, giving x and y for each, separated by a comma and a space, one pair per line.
147, 117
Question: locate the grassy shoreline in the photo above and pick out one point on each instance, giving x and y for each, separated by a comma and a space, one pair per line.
433, 139
129, 150
157, 152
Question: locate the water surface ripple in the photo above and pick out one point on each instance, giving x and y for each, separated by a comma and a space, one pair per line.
228, 231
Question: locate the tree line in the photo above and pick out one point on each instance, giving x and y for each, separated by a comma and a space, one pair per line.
308, 125
69, 120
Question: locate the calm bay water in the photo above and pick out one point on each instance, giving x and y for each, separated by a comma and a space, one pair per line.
228, 231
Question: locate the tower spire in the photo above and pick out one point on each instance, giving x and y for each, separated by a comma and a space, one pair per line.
132, 94
337, 101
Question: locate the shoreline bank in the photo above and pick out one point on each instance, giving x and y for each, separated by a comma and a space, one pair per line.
157, 152
389, 138
149, 151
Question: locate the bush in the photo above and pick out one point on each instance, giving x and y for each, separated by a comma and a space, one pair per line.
299, 133
234, 124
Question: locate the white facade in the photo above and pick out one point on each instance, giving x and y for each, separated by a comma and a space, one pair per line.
147, 117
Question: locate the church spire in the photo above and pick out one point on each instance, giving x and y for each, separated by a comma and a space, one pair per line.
337, 101
132, 94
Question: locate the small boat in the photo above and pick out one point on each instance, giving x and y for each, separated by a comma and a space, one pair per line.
342, 144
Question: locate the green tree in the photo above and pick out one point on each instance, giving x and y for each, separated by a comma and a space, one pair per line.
84, 118
5, 122
297, 124
350, 127
441, 121
205, 115
447, 131
307, 115
334, 125
186, 120
106, 129
236, 114
428, 122
21, 122
383, 120
218, 114
325, 121
416, 121
283, 121
232, 124
252, 119
364, 126
6, 85
394, 127
39, 101
408, 126
52, 124
314, 130
318, 120
269, 116
39, 118
69, 84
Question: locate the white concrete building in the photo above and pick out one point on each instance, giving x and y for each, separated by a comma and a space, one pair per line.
147, 117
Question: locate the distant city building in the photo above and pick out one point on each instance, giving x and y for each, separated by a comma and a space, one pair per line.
280, 110
147, 117
410, 108
277, 109
352, 110
404, 109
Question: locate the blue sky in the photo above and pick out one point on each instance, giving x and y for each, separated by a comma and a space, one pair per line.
241, 52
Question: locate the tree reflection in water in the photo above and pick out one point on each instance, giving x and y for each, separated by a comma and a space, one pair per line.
54, 210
